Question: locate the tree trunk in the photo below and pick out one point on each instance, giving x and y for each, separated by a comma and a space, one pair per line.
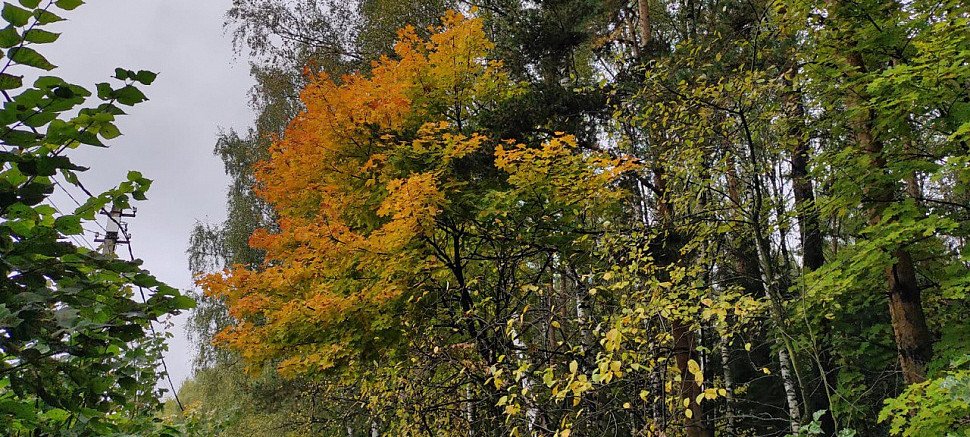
469, 410
646, 33
805, 208
685, 343
728, 387
762, 270
791, 391
685, 350
531, 413
788, 371
913, 339
813, 257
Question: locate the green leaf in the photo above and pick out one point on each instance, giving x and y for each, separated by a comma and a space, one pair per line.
9, 37
46, 17
9, 81
145, 77
69, 225
22, 410
30, 4
19, 138
15, 15
86, 137
128, 382
43, 82
48, 165
68, 5
40, 36
63, 92
39, 118
30, 57
129, 95
126, 332
109, 131
8, 319
21, 227
57, 415
110, 109
104, 91
183, 302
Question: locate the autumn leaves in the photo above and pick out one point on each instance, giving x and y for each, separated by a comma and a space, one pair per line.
362, 177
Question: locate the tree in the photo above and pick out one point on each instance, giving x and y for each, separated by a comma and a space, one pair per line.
77, 354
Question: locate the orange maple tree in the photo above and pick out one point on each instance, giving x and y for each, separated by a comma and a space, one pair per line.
365, 180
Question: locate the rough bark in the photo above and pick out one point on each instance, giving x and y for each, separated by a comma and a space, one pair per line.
685, 348
470, 409
913, 339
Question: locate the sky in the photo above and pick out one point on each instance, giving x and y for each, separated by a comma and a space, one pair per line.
201, 88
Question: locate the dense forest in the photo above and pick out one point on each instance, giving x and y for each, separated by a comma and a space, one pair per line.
525, 218
582, 217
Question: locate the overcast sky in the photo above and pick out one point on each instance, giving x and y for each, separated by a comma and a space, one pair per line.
201, 88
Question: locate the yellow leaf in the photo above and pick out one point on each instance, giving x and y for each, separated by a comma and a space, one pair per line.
612, 340
693, 367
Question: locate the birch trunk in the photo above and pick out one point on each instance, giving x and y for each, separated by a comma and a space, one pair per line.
531, 413
724, 348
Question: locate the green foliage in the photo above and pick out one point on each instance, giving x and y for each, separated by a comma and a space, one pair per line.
77, 354
939, 406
